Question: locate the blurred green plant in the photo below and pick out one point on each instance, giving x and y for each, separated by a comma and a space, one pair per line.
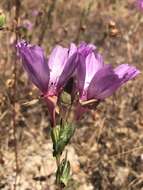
2, 19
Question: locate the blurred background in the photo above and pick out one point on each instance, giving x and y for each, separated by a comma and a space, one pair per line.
106, 152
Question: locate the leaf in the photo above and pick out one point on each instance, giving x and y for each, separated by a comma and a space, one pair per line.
63, 172
61, 136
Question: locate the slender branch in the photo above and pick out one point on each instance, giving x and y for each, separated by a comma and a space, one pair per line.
17, 12
47, 21
84, 14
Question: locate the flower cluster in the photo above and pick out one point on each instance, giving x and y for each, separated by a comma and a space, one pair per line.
94, 79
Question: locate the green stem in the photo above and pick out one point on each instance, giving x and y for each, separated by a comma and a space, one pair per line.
58, 160
58, 179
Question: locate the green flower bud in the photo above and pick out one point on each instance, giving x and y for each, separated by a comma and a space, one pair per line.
65, 98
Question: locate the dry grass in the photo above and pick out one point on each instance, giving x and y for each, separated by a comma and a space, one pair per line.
106, 152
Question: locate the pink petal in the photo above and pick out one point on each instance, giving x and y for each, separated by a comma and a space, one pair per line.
126, 72
70, 66
35, 64
57, 61
104, 83
89, 64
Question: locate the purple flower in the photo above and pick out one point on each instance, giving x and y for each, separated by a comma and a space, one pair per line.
97, 80
35, 13
140, 4
27, 24
49, 75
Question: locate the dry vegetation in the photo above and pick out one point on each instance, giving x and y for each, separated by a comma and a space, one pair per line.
106, 152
